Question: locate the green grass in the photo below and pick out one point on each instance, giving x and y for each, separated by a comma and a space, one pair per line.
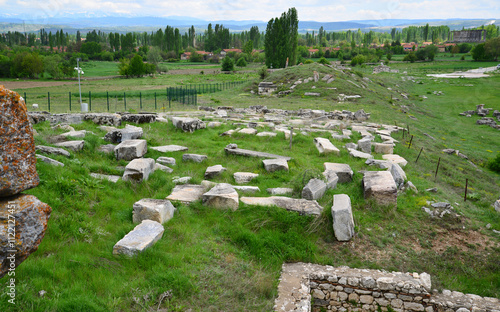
205, 252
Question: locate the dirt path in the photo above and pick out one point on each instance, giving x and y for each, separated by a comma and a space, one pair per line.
473, 73
26, 84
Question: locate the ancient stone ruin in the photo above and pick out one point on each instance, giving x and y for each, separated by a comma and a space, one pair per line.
23, 218
308, 287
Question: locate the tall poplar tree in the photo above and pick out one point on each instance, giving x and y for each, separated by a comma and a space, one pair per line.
281, 40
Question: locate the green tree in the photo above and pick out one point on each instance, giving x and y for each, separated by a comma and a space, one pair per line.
410, 57
241, 62
282, 39
248, 47
5, 64
492, 48
136, 67
227, 64
123, 67
52, 66
479, 53
92, 49
195, 57
154, 56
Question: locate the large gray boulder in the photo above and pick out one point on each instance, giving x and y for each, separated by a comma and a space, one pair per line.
131, 149
343, 222
314, 189
380, 186
159, 210
343, 171
17, 146
139, 169
272, 165
222, 195
187, 124
194, 157
26, 217
140, 238
128, 133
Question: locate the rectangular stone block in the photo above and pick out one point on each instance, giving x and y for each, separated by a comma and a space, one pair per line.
131, 149
380, 186
343, 222
343, 171
140, 238
159, 210
139, 169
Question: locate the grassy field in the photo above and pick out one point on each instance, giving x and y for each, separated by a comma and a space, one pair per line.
213, 260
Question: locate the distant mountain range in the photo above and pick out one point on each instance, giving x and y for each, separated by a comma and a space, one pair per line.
72, 22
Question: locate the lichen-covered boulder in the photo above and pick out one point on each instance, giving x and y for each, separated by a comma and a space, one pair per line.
17, 147
23, 221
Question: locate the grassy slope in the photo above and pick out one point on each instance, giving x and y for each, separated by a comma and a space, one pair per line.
205, 253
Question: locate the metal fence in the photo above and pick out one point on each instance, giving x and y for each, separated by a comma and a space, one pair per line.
114, 101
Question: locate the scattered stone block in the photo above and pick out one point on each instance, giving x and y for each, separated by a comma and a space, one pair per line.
128, 133
163, 168
496, 205
343, 171
250, 131
267, 134
131, 149
398, 175
331, 179
272, 165
31, 217
324, 146
187, 193
183, 180
302, 206
52, 150
140, 238
166, 161
139, 118
63, 127
280, 191
169, 148
395, 159
111, 178
312, 94
246, 188
382, 164
343, 222
314, 189
75, 146
244, 177
139, 169
188, 124
213, 171
234, 150
107, 148
383, 148
159, 210
75, 134
380, 186
194, 157
17, 147
365, 145
50, 161
104, 119
358, 154
214, 124
222, 195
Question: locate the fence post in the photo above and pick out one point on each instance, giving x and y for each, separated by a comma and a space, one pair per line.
25, 100
90, 101
140, 100
155, 100
70, 101
48, 99
107, 99
169, 97
125, 100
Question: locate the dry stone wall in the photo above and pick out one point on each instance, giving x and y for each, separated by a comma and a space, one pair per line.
309, 287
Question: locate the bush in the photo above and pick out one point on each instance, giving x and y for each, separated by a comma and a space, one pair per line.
263, 72
323, 61
410, 57
358, 60
241, 62
308, 61
494, 164
227, 64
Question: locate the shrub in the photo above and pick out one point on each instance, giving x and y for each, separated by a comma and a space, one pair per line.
241, 62
227, 64
410, 57
263, 72
309, 61
323, 61
358, 60
494, 164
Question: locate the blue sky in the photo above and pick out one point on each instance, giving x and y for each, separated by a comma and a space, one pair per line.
316, 10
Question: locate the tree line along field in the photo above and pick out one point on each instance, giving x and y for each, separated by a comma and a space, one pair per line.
213, 260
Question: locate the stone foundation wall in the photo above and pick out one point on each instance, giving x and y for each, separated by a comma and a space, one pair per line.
309, 287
